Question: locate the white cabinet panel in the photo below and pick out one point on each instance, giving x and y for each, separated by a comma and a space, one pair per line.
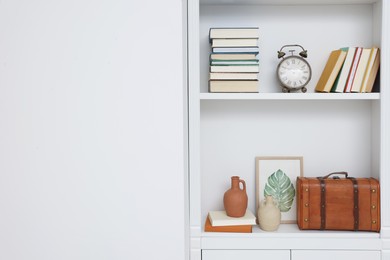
334, 255
245, 254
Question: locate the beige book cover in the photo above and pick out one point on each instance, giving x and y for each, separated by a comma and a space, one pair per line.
371, 71
234, 86
361, 69
219, 218
331, 70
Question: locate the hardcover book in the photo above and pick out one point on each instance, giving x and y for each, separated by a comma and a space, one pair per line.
371, 71
360, 70
341, 79
232, 56
234, 62
234, 86
233, 76
234, 43
253, 50
235, 229
219, 218
331, 70
352, 72
234, 32
235, 68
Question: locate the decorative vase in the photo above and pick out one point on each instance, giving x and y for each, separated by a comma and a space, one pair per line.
269, 214
235, 200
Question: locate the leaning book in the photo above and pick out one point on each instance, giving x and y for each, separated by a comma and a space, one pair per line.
331, 70
219, 218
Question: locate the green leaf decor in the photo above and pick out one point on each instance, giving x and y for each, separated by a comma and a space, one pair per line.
279, 186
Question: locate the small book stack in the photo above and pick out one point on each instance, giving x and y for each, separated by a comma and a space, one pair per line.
234, 66
350, 69
218, 221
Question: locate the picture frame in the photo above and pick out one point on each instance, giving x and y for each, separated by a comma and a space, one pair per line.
280, 168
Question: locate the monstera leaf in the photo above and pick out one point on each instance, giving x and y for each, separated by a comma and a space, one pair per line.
279, 186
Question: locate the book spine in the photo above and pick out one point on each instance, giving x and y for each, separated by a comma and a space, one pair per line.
238, 50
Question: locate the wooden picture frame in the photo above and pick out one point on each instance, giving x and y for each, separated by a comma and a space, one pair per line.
279, 167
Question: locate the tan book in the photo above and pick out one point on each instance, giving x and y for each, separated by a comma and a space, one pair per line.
371, 71
234, 32
235, 229
233, 86
360, 70
331, 70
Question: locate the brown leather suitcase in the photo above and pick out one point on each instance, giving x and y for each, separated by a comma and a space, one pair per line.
334, 203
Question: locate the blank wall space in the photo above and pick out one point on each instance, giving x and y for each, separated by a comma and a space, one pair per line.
89, 140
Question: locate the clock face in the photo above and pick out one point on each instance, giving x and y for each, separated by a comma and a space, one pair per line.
294, 72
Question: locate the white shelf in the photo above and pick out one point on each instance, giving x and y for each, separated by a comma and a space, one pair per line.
288, 236
292, 231
289, 96
331, 131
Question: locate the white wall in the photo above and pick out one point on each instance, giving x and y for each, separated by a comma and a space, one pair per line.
92, 130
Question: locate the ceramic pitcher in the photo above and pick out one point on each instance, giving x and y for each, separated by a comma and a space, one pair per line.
235, 200
269, 215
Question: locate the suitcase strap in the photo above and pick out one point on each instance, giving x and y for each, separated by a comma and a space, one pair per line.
323, 203
355, 203
375, 205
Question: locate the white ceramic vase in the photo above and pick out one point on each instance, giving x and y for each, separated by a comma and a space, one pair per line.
268, 214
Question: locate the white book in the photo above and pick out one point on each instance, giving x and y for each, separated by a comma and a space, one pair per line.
360, 70
234, 43
235, 68
219, 218
232, 56
233, 76
352, 72
344, 73
234, 62
253, 50
370, 66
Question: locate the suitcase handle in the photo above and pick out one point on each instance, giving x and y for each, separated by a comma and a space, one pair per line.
333, 173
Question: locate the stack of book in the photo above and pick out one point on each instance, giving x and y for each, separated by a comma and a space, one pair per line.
351, 69
218, 221
234, 66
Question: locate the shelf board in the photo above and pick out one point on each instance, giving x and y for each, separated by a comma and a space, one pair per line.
288, 236
292, 230
289, 96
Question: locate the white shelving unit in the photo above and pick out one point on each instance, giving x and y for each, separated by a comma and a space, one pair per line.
333, 132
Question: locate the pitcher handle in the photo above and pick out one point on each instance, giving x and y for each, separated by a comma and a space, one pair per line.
243, 184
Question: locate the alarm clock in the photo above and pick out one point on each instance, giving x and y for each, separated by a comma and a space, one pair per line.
293, 72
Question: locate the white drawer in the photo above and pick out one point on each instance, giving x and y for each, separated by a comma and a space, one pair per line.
245, 254
334, 255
